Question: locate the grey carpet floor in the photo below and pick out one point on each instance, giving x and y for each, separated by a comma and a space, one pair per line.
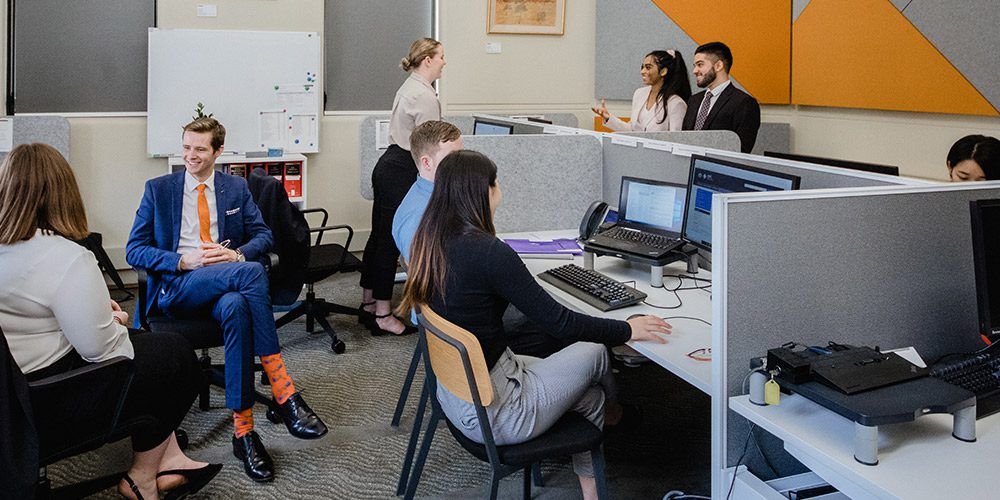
355, 393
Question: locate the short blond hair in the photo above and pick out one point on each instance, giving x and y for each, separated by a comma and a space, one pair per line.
428, 135
39, 191
419, 50
209, 125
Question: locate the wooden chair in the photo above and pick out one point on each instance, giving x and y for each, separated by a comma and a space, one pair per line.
454, 359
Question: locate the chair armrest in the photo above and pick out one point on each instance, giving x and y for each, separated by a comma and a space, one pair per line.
141, 277
271, 262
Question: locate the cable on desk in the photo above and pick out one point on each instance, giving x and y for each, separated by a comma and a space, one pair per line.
736, 468
680, 495
687, 317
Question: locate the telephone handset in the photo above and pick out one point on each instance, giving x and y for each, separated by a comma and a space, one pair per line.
592, 219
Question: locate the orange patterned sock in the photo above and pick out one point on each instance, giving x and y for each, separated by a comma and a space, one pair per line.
281, 384
243, 421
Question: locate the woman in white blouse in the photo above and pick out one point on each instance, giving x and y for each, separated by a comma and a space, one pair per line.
416, 102
660, 104
56, 316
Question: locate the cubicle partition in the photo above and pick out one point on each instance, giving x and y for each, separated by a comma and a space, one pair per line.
816, 176
770, 137
51, 130
883, 266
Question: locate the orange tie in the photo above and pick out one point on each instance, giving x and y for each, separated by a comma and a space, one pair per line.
204, 221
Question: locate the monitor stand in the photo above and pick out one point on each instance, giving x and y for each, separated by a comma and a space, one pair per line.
688, 253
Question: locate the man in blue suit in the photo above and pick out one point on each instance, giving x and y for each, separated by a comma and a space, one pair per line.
199, 234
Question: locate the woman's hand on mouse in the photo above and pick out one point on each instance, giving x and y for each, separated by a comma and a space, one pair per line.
648, 328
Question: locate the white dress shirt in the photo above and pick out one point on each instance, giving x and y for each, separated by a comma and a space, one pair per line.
53, 299
416, 102
190, 238
646, 120
715, 95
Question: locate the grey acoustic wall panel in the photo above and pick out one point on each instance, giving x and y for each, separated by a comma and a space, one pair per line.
51, 130
548, 181
966, 33
863, 268
773, 137
627, 30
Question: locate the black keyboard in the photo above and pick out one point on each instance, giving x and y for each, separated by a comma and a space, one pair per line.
592, 287
979, 374
641, 237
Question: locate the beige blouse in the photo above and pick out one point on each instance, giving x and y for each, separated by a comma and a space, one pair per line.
416, 102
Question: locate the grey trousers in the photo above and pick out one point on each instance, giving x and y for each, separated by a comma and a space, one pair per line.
531, 394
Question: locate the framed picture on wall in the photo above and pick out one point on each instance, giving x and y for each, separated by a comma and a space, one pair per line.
527, 17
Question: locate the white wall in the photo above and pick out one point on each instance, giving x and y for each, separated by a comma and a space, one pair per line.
534, 73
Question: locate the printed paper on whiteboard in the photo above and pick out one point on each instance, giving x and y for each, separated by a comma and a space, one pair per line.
271, 127
303, 130
297, 97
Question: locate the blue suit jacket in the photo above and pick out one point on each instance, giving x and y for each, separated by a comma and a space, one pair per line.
152, 244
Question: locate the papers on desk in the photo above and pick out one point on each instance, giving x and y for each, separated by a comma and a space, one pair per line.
561, 248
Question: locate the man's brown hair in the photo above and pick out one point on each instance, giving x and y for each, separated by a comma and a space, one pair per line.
38, 191
211, 125
425, 138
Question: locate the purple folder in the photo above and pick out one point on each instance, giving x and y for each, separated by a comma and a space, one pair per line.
564, 246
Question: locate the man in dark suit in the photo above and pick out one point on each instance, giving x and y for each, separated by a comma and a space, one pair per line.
199, 234
721, 106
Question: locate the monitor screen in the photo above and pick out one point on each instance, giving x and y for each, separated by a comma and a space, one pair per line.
480, 127
652, 204
834, 162
709, 176
986, 252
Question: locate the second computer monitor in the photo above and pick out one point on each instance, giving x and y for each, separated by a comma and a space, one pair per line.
709, 176
835, 162
483, 127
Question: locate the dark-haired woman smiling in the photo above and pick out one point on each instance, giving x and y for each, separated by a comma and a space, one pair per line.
462, 271
660, 104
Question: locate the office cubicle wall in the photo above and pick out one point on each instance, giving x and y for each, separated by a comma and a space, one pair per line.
816, 176
770, 137
51, 130
877, 266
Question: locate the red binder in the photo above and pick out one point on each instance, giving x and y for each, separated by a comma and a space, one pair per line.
293, 179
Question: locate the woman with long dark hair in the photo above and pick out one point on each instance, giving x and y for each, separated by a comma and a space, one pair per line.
416, 102
464, 273
660, 104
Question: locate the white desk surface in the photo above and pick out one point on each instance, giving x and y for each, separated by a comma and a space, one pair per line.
919, 459
688, 335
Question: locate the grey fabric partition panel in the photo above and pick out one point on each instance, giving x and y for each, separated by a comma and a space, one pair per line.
368, 155
548, 181
80, 56
887, 267
773, 137
51, 130
820, 177
362, 63
770, 137
647, 163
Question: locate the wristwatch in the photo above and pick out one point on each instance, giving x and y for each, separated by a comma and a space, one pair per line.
239, 255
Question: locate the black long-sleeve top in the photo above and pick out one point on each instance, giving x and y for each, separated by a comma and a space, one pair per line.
484, 275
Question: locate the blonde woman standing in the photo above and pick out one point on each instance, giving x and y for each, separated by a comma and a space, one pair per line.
416, 102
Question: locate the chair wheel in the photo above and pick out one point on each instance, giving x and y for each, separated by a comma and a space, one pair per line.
273, 416
182, 438
338, 346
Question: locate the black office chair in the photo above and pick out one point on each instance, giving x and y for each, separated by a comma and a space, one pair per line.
97, 393
325, 260
202, 334
454, 358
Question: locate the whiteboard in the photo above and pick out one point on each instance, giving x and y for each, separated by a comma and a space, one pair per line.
263, 86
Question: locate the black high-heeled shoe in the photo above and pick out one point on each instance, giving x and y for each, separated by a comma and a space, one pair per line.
134, 487
196, 480
377, 331
365, 317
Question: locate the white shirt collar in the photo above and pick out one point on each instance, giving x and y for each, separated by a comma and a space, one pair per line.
722, 86
190, 182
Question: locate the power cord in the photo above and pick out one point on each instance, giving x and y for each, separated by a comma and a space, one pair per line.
687, 317
743, 455
680, 495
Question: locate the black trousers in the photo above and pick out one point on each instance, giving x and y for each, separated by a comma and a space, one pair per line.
165, 381
394, 173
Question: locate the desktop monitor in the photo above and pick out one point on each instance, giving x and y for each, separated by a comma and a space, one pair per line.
483, 127
985, 218
709, 176
834, 162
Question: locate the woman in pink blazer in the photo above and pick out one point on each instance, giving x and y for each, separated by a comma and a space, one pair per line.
660, 104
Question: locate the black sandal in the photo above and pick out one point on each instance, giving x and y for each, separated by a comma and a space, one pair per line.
377, 331
131, 484
196, 480
365, 317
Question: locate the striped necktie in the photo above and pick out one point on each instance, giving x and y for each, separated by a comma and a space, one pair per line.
706, 103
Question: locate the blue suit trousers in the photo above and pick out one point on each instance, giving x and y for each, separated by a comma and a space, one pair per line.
236, 295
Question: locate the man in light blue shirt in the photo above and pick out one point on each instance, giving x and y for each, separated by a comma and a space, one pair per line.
429, 144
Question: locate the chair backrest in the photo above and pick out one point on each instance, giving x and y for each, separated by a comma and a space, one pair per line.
456, 358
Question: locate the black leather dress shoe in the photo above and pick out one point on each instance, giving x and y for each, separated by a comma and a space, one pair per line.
301, 421
256, 462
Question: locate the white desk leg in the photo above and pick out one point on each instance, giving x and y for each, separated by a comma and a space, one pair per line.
656, 276
964, 427
866, 444
588, 260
